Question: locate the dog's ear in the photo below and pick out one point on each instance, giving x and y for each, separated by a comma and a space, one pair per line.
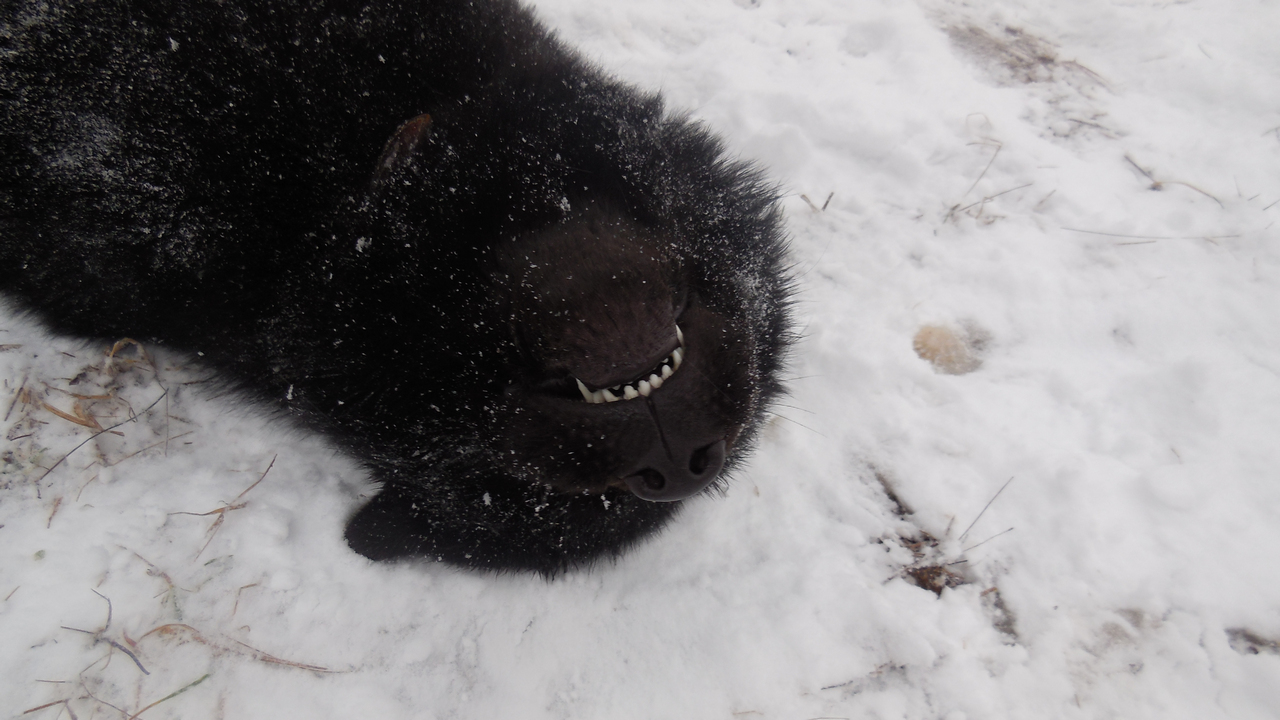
400, 149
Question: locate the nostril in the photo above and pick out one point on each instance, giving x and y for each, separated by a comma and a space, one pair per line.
698, 463
652, 485
702, 458
652, 479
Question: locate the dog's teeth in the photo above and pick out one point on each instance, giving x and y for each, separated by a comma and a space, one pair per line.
641, 388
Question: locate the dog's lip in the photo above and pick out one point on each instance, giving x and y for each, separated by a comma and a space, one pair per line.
641, 385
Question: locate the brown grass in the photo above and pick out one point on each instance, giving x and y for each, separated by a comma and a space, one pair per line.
221, 512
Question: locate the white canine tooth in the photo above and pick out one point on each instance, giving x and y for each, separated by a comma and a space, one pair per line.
645, 388
655, 382
608, 396
678, 357
597, 397
666, 371
679, 336
630, 393
586, 394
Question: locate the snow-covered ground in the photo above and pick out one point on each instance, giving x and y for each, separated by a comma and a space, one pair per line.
1070, 206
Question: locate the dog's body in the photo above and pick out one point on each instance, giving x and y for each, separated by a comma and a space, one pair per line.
427, 229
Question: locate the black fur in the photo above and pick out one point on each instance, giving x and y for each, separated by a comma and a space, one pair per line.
412, 224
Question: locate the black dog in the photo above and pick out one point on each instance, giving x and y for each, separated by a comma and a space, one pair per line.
534, 304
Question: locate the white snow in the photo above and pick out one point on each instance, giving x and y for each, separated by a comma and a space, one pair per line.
1089, 201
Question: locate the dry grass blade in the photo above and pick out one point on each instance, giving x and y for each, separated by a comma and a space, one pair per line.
1150, 237
1193, 187
236, 607
221, 512
260, 478
984, 509
1155, 184
171, 589
57, 503
813, 205
121, 344
77, 416
994, 155
106, 429
19, 395
65, 703
99, 635
172, 695
1159, 184
988, 198
235, 647
152, 445
984, 542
